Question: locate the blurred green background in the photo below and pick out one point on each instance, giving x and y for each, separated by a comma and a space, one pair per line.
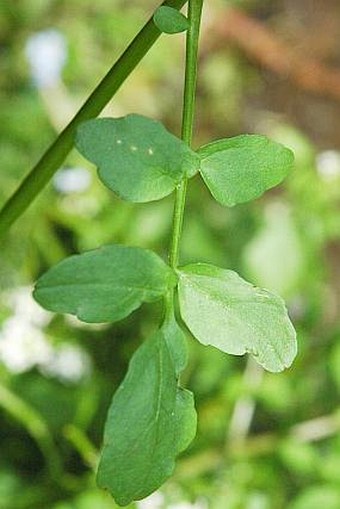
264, 441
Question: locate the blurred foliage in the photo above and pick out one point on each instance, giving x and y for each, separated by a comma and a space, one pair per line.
287, 241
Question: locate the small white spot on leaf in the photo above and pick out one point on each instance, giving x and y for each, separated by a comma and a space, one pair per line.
150, 151
133, 148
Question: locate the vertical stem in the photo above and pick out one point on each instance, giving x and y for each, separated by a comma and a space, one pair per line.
194, 15
189, 96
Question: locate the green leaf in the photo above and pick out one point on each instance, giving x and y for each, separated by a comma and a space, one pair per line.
149, 422
240, 169
137, 157
186, 418
170, 21
106, 284
176, 342
223, 310
185, 409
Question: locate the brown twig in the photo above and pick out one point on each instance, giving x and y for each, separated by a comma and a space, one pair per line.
263, 46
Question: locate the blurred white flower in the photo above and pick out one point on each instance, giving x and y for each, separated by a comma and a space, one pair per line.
154, 501
23, 344
328, 164
46, 52
72, 180
68, 363
23, 305
157, 501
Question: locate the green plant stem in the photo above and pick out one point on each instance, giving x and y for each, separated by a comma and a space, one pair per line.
35, 426
51, 160
82, 444
194, 15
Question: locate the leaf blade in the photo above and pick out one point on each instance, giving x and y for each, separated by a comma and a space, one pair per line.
223, 310
148, 424
137, 157
170, 20
176, 342
186, 419
105, 284
148, 380
240, 169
